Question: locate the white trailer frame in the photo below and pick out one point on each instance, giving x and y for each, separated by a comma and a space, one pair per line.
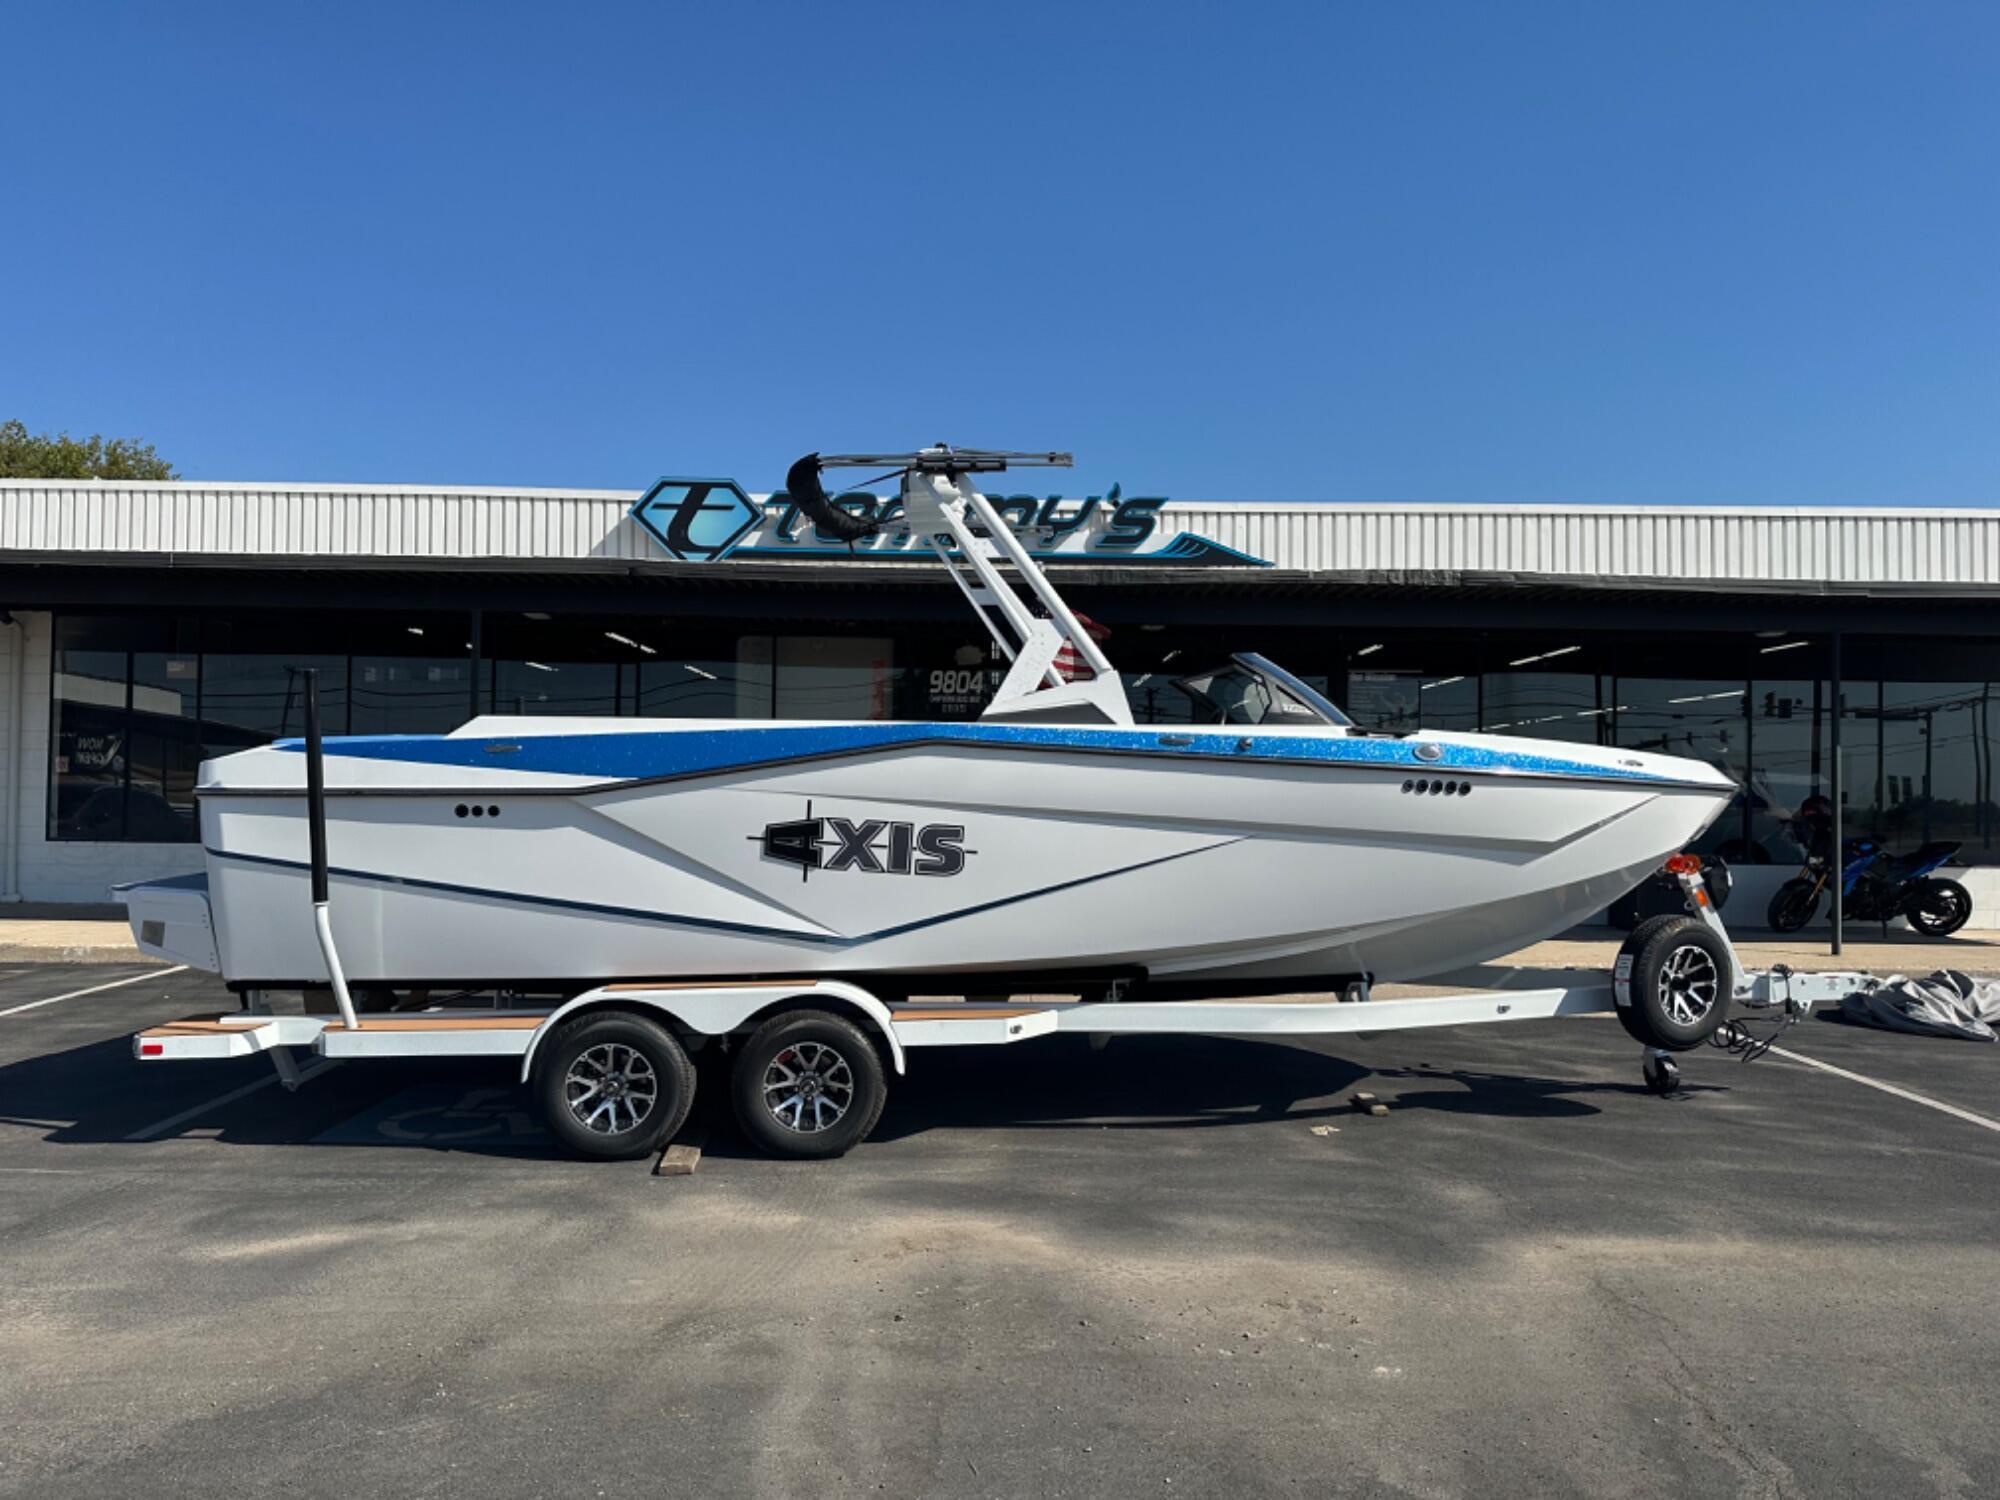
712, 1011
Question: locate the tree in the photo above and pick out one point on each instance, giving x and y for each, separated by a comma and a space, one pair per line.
25, 455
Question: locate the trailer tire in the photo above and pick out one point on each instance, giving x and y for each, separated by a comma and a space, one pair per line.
822, 1071
1636, 939
1672, 983
638, 1060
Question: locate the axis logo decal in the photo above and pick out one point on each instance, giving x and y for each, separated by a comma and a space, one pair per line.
871, 846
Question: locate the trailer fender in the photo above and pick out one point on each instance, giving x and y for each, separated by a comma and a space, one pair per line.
719, 1009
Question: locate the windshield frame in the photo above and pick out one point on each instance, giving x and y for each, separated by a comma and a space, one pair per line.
1318, 702
1276, 682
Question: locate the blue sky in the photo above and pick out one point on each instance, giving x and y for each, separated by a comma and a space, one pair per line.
1515, 252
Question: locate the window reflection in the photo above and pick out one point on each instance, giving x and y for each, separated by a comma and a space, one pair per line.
1933, 778
1549, 705
126, 733
1700, 719
138, 700
252, 698
568, 687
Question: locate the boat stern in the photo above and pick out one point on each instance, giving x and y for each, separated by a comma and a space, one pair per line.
171, 920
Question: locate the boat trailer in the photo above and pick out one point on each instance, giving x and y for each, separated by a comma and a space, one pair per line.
811, 1057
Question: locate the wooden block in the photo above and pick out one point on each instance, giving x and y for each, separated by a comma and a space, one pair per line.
678, 1161
681, 1156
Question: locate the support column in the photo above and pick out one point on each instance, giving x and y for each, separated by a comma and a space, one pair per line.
1838, 853
15, 776
476, 642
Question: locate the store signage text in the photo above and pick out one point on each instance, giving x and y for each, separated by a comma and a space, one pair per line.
706, 520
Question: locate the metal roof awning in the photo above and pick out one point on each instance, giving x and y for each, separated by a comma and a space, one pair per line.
876, 589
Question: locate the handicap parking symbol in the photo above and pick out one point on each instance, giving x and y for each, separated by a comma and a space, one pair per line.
437, 1115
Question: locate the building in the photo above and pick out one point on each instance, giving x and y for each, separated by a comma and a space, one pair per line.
149, 625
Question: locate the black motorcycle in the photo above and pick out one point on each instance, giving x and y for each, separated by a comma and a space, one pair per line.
1660, 894
1877, 886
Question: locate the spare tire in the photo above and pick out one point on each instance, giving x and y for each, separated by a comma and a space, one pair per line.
803, 489
1672, 983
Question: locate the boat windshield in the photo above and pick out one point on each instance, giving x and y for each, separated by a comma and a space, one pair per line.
1249, 689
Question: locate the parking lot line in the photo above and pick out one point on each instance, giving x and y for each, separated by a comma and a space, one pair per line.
107, 985
1889, 1088
219, 1101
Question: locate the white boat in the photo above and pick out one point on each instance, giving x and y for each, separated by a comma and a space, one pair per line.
1053, 842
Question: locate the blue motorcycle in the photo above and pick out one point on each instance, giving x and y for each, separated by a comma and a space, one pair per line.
1876, 886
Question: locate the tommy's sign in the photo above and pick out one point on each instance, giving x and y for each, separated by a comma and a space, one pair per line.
705, 520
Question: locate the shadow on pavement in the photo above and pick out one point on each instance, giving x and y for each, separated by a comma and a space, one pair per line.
1518, 1096
1171, 1083
99, 1094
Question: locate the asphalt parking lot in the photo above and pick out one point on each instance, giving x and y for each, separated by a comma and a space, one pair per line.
1175, 1267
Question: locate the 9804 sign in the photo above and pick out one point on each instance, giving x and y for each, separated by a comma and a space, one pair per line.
954, 691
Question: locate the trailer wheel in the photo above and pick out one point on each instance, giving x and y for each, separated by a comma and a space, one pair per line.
808, 1084
1672, 983
1636, 939
1663, 1075
614, 1085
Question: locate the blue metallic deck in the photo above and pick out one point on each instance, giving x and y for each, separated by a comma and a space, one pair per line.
670, 753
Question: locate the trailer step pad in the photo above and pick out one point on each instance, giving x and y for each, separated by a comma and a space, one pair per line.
970, 1025
431, 1036
442, 1023
194, 1038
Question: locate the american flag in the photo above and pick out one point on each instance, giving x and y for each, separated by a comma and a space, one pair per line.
1069, 662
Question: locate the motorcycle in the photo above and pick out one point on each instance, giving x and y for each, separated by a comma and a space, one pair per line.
1876, 886
1661, 894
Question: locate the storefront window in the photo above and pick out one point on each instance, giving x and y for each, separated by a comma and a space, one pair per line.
126, 737
566, 687
140, 701
1790, 760
835, 677
251, 698
1935, 739
1548, 705
409, 694
709, 686
1700, 719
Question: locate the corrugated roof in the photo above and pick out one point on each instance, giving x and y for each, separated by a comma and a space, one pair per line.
1403, 544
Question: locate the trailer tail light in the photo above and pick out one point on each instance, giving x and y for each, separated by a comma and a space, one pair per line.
1684, 864
152, 1049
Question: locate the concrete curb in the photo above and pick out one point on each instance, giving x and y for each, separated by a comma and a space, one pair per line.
72, 953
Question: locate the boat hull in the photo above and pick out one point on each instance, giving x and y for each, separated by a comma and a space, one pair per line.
917, 862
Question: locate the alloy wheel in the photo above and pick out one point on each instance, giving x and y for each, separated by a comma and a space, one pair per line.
1689, 983
808, 1087
610, 1088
